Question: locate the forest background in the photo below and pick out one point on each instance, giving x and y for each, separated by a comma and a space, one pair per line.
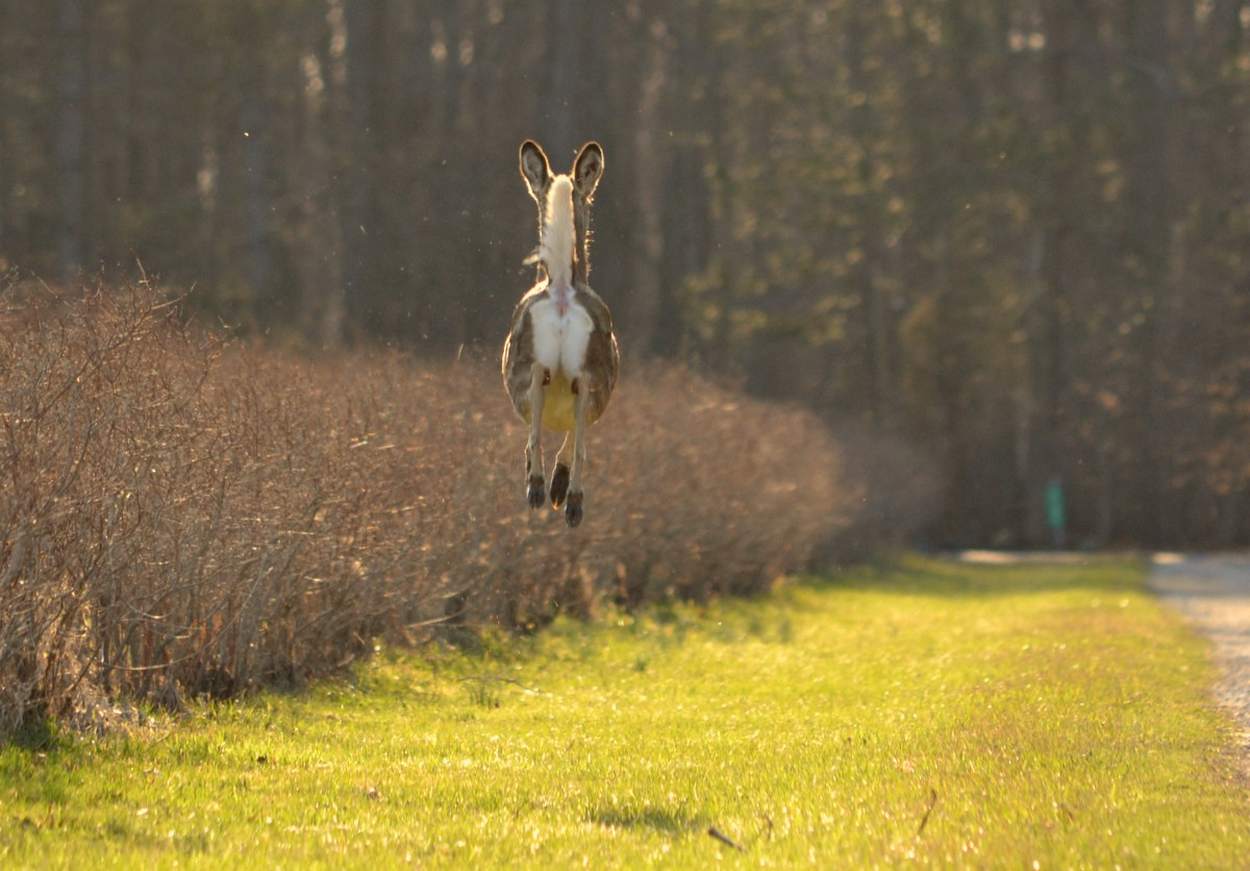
1009, 237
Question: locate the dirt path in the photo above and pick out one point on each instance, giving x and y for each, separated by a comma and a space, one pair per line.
1213, 592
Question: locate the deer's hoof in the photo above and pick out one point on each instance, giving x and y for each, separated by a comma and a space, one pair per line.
559, 485
573, 510
535, 492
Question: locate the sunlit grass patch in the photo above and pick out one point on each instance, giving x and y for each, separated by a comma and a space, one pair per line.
936, 712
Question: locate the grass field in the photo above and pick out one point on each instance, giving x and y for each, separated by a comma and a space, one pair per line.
1019, 717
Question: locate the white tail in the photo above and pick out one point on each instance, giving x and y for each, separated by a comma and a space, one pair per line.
556, 248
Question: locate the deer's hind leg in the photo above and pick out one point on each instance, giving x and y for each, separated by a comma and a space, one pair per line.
535, 491
575, 496
560, 475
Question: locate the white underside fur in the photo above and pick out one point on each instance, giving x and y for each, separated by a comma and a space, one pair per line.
560, 339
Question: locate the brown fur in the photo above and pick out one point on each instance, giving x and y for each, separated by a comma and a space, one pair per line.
603, 356
602, 362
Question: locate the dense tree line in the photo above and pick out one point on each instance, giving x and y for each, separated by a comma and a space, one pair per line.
1014, 232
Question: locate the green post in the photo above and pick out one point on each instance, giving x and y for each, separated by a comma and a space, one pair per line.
1055, 516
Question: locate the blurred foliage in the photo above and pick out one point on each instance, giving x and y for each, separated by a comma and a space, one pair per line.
1015, 233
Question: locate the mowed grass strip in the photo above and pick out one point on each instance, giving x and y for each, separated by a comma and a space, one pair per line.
938, 713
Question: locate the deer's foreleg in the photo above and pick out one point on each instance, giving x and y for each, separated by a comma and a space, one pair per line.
535, 490
573, 506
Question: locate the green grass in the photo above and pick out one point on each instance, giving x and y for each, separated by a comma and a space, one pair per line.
1058, 713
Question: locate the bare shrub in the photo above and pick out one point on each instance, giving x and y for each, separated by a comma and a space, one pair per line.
183, 513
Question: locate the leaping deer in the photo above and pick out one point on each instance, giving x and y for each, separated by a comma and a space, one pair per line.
560, 359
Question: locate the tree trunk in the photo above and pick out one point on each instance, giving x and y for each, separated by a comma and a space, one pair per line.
648, 185
1047, 370
71, 133
7, 172
1148, 241
256, 132
872, 310
359, 192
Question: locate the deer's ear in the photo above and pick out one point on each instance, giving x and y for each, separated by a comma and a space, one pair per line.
535, 170
588, 169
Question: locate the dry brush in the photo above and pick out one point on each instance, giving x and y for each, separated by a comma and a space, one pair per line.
185, 513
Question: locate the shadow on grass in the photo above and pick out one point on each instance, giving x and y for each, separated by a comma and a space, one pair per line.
36, 735
29, 762
948, 577
659, 819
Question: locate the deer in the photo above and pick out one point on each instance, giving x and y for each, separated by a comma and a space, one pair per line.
560, 358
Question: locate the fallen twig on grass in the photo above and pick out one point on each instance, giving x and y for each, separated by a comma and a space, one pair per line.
924, 821
724, 839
